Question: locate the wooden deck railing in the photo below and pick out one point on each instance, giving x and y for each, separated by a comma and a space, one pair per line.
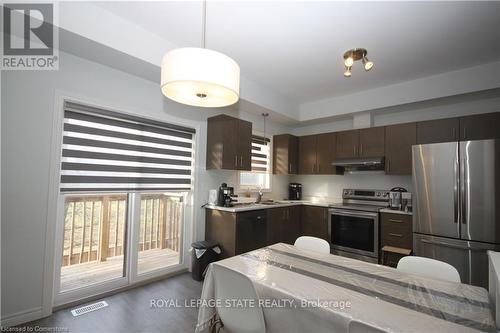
94, 226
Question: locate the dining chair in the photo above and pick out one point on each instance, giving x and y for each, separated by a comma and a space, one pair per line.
231, 286
312, 244
429, 268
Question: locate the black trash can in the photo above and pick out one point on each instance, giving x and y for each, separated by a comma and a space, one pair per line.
203, 253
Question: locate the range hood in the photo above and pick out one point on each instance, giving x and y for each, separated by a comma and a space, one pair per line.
360, 164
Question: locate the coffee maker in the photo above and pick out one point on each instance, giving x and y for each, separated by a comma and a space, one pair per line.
396, 198
294, 191
225, 196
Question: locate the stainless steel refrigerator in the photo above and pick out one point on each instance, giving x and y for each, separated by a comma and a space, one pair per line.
456, 215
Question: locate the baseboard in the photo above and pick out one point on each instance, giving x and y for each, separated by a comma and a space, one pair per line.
22, 317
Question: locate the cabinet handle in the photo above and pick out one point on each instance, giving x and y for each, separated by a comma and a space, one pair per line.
465, 132
395, 235
453, 133
235, 161
241, 160
395, 221
361, 149
289, 167
388, 165
313, 167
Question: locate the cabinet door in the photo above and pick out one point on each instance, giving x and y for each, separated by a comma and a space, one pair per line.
222, 133
372, 142
480, 127
251, 231
307, 154
434, 131
325, 150
292, 224
293, 154
244, 143
398, 142
314, 222
347, 144
285, 154
275, 225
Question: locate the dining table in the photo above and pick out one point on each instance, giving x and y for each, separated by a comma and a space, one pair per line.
306, 291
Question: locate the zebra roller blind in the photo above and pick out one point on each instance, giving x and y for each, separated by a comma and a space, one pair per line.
260, 154
106, 151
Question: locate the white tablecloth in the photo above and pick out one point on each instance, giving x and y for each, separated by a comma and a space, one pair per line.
339, 290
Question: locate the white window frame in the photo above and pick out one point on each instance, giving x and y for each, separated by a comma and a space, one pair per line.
252, 188
52, 297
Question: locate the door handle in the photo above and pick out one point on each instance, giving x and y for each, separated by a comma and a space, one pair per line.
465, 184
455, 191
450, 245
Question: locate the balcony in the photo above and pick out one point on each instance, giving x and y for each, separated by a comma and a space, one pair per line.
95, 237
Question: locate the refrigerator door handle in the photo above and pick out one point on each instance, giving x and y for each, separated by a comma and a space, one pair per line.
450, 245
465, 184
455, 191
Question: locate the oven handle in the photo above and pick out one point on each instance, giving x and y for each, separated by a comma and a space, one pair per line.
351, 213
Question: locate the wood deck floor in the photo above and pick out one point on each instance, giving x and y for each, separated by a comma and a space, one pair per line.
75, 276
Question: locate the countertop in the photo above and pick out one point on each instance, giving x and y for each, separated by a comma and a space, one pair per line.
284, 203
249, 207
392, 211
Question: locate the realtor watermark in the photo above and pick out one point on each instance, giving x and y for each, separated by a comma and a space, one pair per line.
238, 303
30, 39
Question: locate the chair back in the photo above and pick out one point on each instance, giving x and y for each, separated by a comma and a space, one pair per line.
312, 244
429, 268
233, 286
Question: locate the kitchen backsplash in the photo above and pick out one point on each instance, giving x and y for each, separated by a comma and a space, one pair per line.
329, 187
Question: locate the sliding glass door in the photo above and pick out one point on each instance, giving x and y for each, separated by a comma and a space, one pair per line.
114, 240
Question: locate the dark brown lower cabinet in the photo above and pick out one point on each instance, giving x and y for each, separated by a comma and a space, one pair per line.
314, 222
236, 233
396, 235
283, 224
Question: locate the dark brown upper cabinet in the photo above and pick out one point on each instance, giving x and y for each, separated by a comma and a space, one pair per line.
372, 142
307, 155
480, 127
434, 131
285, 154
398, 142
325, 153
316, 154
367, 142
229, 143
347, 144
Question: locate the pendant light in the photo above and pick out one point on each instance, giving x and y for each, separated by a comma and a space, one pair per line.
199, 76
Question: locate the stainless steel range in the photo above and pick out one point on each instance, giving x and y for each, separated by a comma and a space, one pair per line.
353, 225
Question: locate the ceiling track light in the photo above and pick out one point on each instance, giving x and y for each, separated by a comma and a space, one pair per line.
353, 55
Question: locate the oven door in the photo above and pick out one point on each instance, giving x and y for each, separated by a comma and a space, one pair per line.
354, 231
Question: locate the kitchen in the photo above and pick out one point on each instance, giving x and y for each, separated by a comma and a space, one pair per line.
320, 166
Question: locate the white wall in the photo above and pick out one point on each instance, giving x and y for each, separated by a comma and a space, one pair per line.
28, 105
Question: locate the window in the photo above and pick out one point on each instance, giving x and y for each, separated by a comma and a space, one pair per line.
260, 176
124, 181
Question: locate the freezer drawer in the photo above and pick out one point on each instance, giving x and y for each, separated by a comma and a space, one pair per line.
469, 258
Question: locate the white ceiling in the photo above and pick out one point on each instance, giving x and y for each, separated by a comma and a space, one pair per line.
296, 48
